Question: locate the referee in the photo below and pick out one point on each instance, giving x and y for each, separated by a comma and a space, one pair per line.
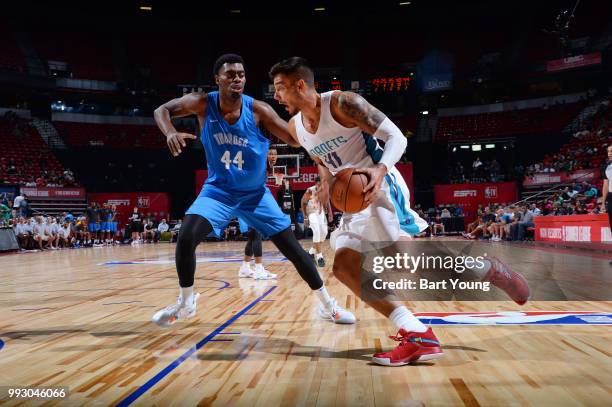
606, 191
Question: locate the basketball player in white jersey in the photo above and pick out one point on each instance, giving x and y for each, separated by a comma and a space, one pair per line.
331, 127
317, 215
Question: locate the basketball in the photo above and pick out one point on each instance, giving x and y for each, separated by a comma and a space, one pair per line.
347, 191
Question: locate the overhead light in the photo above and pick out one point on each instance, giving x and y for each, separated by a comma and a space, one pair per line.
319, 9
465, 147
146, 8
404, 3
425, 112
476, 147
489, 145
235, 11
454, 149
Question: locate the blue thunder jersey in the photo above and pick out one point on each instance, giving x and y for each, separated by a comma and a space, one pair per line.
236, 154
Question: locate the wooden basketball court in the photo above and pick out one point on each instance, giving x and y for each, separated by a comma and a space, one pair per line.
81, 319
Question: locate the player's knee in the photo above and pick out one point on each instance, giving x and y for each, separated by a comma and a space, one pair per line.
186, 241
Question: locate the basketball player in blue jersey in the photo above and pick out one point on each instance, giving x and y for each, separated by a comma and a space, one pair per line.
236, 152
340, 130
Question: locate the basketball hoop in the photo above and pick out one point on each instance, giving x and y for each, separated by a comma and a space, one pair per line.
278, 177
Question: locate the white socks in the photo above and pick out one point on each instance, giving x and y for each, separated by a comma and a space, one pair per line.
259, 267
186, 294
246, 264
312, 250
482, 271
319, 256
324, 297
403, 318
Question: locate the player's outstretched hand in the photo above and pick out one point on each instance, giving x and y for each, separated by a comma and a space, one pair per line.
176, 142
376, 176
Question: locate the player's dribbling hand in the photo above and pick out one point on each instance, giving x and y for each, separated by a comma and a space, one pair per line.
176, 141
376, 176
323, 193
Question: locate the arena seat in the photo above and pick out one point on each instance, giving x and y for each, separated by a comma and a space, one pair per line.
507, 123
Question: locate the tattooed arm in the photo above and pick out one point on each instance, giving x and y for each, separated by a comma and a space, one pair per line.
352, 110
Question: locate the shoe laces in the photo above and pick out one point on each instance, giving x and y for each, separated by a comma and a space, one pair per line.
411, 339
502, 269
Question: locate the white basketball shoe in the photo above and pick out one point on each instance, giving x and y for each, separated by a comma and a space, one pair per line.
261, 273
337, 314
179, 311
245, 270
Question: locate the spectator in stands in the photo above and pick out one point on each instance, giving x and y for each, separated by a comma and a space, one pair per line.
162, 229
176, 229
436, 225
150, 234
477, 227
24, 206
525, 222
445, 214
17, 205
52, 229
23, 232
136, 223
69, 176
39, 233
12, 167
5, 214
497, 228
65, 235
477, 167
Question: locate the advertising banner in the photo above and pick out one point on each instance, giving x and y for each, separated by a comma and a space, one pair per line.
573, 228
53, 193
551, 178
147, 202
577, 61
469, 196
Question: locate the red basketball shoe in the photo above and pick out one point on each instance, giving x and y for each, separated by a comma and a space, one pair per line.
505, 279
414, 346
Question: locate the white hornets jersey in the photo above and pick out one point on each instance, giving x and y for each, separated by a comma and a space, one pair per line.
337, 146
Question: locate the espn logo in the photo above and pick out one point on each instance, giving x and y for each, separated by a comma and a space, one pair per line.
466, 192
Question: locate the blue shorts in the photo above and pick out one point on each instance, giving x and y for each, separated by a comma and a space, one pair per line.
104, 227
113, 226
258, 209
93, 227
243, 225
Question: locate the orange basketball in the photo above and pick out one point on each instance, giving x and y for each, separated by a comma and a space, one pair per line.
347, 191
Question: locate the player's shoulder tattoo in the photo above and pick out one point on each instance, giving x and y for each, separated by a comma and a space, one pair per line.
358, 109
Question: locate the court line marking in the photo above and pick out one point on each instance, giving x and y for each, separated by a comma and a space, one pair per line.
164, 372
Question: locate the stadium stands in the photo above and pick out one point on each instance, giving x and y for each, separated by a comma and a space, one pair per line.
110, 135
10, 57
26, 151
87, 56
507, 123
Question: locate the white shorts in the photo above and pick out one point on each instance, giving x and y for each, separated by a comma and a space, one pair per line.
387, 219
318, 224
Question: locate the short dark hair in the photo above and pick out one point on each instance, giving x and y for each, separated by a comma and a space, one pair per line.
226, 59
295, 66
